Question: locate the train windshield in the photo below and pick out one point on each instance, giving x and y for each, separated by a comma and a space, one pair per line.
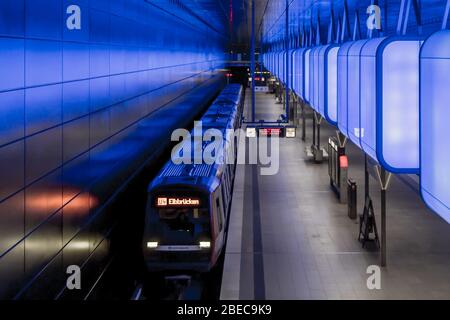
179, 220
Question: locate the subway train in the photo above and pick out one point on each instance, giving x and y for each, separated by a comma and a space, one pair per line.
188, 204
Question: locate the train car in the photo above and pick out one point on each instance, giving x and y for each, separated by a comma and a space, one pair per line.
188, 204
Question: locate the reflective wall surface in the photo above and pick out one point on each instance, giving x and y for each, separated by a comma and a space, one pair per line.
89, 91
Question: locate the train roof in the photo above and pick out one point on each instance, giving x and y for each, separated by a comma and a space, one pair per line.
220, 116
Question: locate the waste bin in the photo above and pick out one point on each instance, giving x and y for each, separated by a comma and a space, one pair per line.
352, 197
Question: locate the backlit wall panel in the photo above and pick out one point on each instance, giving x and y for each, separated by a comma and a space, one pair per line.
316, 77
321, 80
299, 62
306, 77
399, 139
325, 76
331, 85
390, 111
354, 92
434, 123
291, 68
343, 87
369, 96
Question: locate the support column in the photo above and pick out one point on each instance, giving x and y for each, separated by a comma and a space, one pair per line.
303, 121
286, 72
252, 64
319, 122
314, 128
384, 178
342, 139
366, 178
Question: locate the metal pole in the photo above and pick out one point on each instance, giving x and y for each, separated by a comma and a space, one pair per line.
319, 120
383, 217
314, 128
303, 122
252, 65
384, 178
366, 178
287, 61
295, 110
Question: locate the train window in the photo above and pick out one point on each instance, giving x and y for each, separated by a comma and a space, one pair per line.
219, 213
181, 225
230, 175
227, 180
224, 200
225, 187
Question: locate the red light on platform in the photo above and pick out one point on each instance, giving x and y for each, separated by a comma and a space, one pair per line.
270, 132
343, 161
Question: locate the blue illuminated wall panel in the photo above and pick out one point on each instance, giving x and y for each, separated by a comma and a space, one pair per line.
354, 92
280, 64
314, 78
343, 87
311, 76
299, 72
398, 137
81, 112
331, 79
306, 77
434, 123
369, 97
390, 110
321, 80
291, 68
326, 82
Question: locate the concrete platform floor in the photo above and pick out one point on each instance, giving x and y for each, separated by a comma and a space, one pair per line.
290, 238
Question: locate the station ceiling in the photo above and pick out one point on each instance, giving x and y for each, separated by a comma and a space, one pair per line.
234, 16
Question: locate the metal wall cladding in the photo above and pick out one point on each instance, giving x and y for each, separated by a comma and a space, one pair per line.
80, 108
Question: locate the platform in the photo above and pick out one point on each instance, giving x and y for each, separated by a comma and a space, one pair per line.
290, 238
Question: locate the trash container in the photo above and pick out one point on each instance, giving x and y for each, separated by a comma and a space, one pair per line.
352, 197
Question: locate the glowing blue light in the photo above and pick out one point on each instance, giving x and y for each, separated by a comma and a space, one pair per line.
342, 87
390, 103
299, 64
291, 69
306, 80
325, 88
314, 78
434, 124
331, 87
321, 87
349, 90
294, 71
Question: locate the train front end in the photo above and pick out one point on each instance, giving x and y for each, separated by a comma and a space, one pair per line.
178, 230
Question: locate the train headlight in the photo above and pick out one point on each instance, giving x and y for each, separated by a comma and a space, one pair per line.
205, 244
152, 244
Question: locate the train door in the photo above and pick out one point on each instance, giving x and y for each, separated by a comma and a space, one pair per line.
219, 221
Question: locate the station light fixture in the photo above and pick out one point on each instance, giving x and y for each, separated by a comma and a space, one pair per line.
152, 244
205, 244
291, 132
251, 132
